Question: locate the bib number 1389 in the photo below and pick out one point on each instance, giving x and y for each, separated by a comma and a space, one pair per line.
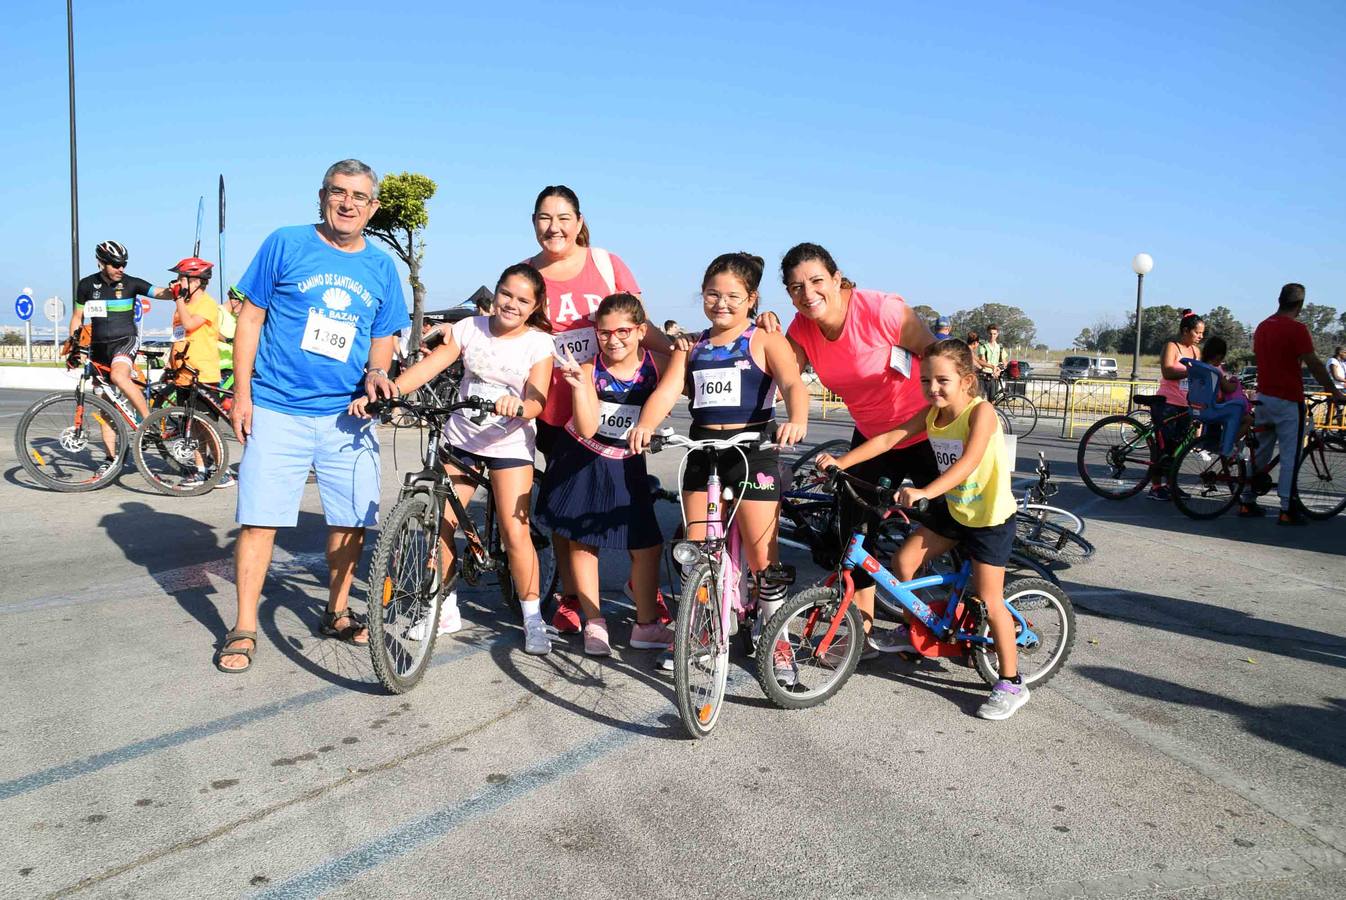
328, 337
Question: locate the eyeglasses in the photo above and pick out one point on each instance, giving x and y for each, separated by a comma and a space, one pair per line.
620, 334
733, 301
357, 199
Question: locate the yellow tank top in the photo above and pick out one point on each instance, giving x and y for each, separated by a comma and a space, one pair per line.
985, 498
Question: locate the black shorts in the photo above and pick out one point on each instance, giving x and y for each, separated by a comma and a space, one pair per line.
102, 353
489, 463
916, 462
761, 480
991, 546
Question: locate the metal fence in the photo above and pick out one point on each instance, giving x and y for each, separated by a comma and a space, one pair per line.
41, 352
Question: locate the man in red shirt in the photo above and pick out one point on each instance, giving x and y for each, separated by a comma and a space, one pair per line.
1282, 345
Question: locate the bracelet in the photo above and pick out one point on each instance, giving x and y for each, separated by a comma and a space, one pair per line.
377, 371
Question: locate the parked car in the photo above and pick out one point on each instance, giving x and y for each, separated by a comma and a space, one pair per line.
1076, 367
1248, 377
1025, 368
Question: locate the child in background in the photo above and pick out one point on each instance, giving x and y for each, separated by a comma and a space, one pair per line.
978, 509
596, 492
1234, 418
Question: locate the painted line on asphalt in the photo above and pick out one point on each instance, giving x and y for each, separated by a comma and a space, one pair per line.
418, 832
26, 784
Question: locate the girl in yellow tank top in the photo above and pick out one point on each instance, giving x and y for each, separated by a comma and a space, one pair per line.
978, 509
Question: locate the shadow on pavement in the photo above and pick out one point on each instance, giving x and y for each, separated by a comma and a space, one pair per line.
1317, 731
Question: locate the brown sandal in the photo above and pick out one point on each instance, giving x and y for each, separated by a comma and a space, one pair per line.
225, 650
347, 633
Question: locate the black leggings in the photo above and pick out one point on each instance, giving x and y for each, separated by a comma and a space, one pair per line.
916, 462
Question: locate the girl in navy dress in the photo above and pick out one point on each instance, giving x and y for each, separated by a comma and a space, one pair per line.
596, 491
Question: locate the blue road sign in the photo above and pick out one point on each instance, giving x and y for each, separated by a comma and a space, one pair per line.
23, 306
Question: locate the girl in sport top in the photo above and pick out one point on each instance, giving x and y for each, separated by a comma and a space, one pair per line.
596, 492
978, 508
1173, 386
507, 358
731, 373
578, 276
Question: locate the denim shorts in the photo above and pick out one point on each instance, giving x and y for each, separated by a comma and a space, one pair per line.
342, 449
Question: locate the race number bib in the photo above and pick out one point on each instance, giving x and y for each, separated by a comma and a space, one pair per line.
899, 360
716, 387
328, 337
581, 343
179, 333
1182, 385
947, 452
96, 309
616, 419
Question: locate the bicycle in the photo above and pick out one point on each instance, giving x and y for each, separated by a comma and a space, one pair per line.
406, 589
1320, 472
62, 439
822, 631
1049, 533
1017, 409
175, 442
712, 605
1119, 455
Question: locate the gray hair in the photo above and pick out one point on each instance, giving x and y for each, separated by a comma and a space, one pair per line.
350, 167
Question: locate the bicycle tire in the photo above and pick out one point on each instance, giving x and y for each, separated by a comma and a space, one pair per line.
1022, 413
803, 469
1049, 541
700, 666
56, 447
547, 573
1320, 478
400, 569
1056, 515
165, 446
1039, 661
1205, 487
1006, 425
1115, 457
799, 625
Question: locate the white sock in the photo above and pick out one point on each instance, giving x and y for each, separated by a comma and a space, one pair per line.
532, 610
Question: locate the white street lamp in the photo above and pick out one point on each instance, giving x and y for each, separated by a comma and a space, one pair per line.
1141, 264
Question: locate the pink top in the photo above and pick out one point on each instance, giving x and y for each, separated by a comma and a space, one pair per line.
1175, 390
863, 365
569, 306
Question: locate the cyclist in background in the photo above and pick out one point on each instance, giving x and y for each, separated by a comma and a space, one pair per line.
1173, 417
992, 358
107, 299
224, 340
196, 335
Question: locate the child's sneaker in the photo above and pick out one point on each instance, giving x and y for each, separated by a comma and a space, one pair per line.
450, 620
783, 659
651, 636
567, 618
660, 607
1160, 492
536, 640
898, 640
1004, 700
596, 638
664, 661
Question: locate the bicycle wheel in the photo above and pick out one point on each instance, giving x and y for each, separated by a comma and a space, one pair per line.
792, 673
1205, 484
1320, 477
1045, 646
1022, 413
401, 582
1114, 457
805, 468
1049, 541
1006, 423
59, 442
1056, 515
173, 444
700, 655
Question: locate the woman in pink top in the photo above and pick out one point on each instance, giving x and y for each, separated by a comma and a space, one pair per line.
1173, 385
578, 277
866, 348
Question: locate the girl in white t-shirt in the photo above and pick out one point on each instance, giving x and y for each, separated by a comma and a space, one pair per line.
507, 358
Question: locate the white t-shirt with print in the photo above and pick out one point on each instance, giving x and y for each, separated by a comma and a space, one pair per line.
492, 368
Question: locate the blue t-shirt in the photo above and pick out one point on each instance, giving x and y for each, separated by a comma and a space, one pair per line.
323, 306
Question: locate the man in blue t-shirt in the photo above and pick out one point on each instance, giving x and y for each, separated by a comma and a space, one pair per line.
318, 326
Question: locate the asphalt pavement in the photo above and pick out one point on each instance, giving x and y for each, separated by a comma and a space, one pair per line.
1193, 746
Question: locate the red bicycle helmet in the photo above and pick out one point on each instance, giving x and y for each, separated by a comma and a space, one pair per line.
194, 267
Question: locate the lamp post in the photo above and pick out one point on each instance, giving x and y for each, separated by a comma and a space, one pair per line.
1141, 265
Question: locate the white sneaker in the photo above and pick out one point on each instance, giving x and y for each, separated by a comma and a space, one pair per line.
450, 620
898, 640
1205, 456
536, 640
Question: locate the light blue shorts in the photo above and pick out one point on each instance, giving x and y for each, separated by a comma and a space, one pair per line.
341, 448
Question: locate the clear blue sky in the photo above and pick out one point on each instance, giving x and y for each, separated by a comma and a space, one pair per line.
1019, 153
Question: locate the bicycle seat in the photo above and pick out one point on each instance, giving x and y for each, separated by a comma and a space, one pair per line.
152, 354
1150, 400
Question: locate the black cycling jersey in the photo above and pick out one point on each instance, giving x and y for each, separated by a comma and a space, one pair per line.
112, 314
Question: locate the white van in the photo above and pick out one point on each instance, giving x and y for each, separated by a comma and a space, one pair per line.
1075, 367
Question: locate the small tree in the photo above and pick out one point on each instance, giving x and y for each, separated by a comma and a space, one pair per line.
1084, 340
1016, 329
1221, 321
400, 223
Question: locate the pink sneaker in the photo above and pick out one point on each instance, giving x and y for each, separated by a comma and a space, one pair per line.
596, 638
651, 636
660, 607
567, 618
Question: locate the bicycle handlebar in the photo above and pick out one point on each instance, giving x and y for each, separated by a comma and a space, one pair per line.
764, 439
853, 485
382, 409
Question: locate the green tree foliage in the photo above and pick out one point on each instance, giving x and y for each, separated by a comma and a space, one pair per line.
1016, 329
927, 314
400, 222
1221, 322
1084, 340
1322, 323
11, 339
1159, 324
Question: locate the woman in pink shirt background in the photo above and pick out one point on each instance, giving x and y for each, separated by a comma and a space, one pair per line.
578, 277
865, 347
